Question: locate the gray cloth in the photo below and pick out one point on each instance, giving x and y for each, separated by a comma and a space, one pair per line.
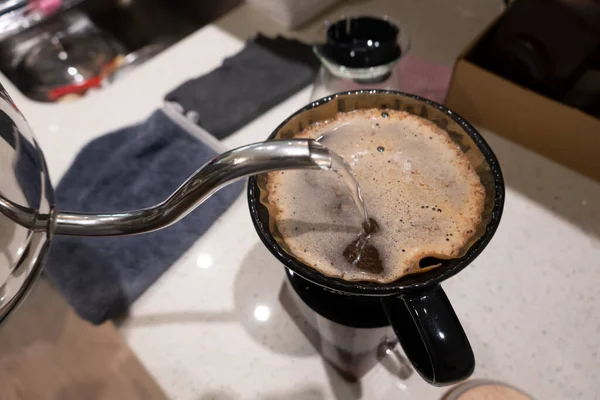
262, 75
132, 168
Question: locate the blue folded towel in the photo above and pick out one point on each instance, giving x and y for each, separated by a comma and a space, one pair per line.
132, 168
142, 165
265, 73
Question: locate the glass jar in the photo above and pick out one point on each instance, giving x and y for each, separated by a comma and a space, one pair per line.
360, 53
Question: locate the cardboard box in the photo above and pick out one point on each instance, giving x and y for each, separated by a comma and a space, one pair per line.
565, 134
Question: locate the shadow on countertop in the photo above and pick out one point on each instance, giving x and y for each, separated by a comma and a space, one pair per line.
278, 334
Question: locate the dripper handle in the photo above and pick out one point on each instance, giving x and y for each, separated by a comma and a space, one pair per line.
431, 335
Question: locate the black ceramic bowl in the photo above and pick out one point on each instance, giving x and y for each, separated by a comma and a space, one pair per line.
415, 305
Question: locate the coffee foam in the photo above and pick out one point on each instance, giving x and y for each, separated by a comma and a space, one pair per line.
416, 182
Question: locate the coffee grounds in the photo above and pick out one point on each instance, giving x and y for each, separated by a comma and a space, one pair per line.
363, 255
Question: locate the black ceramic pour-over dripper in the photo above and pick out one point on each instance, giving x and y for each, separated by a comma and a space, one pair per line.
415, 305
361, 42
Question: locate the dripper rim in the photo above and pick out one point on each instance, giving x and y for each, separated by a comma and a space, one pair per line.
408, 283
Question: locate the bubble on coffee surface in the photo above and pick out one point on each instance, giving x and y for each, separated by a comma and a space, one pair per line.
421, 191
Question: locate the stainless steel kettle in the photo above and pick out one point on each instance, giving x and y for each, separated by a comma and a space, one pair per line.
29, 218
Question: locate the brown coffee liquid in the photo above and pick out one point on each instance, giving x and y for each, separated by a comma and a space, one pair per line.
419, 188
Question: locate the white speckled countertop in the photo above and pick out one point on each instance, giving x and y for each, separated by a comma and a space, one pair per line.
530, 304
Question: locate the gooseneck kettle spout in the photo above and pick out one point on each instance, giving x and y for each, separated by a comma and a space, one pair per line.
222, 170
29, 218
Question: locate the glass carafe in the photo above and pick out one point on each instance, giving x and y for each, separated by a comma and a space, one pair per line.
360, 53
